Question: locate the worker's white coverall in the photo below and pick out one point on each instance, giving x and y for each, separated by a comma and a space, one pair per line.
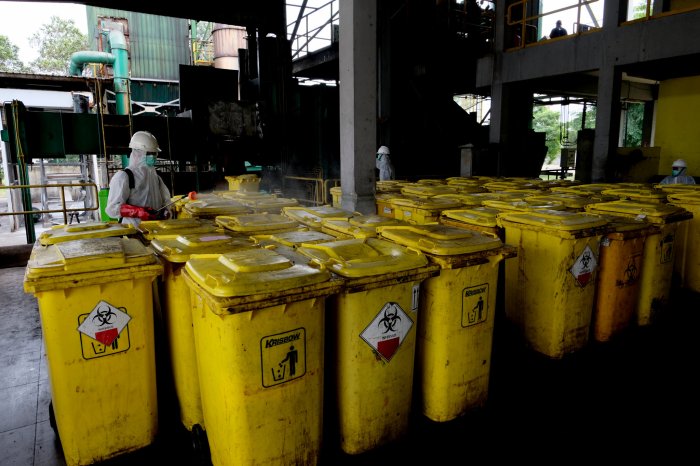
386, 169
149, 189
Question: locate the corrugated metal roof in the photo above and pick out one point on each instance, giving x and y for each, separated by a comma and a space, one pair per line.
157, 44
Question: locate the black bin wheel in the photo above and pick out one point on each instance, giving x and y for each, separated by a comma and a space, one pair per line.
52, 418
200, 443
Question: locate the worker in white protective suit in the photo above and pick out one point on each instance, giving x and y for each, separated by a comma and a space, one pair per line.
386, 169
678, 174
137, 192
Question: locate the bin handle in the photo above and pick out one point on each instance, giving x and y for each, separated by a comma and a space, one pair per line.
491, 234
412, 250
317, 264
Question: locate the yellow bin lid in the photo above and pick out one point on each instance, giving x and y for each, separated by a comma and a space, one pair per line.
440, 240
523, 206
180, 248
275, 203
427, 204
680, 188
295, 238
427, 190
570, 201
86, 255
479, 216
636, 194
362, 226
61, 233
213, 207
684, 197
312, 216
251, 224
244, 195
356, 258
175, 226
652, 212
559, 220
251, 271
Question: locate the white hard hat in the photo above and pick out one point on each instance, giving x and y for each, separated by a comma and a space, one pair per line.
383, 150
144, 141
680, 163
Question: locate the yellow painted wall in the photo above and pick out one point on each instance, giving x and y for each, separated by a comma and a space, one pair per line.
683, 4
678, 124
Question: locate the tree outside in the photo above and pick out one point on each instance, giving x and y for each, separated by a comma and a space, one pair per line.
56, 42
546, 120
9, 57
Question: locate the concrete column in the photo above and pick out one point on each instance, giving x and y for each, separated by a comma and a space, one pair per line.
607, 124
358, 103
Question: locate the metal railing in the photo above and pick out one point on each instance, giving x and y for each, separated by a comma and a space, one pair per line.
524, 26
64, 208
317, 190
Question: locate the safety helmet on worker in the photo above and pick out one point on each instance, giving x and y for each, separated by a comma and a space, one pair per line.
383, 150
680, 163
145, 141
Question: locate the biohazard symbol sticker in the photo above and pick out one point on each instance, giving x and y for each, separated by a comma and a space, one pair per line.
475, 309
104, 331
584, 266
283, 357
387, 330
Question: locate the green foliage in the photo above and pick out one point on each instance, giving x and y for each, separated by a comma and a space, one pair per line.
575, 123
639, 10
634, 120
546, 120
9, 57
56, 42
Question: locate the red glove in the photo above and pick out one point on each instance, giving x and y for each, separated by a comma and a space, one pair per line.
132, 211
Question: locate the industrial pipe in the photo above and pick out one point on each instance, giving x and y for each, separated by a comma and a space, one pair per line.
119, 59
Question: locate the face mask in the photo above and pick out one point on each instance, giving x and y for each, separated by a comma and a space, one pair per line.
150, 160
676, 171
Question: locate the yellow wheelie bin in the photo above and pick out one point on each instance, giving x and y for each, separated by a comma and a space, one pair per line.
637, 194
619, 277
293, 239
483, 219
96, 306
257, 224
550, 288
421, 211
273, 205
247, 182
426, 191
312, 216
573, 202
337, 195
212, 207
259, 336
361, 226
151, 229
456, 316
687, 260
62, 233
176, 311
659, 250
372, 337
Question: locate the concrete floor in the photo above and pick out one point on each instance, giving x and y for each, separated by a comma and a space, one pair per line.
633, 398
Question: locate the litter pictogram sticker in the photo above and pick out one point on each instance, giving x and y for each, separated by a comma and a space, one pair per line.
475, 309
387, 330
283, 357
584, 266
